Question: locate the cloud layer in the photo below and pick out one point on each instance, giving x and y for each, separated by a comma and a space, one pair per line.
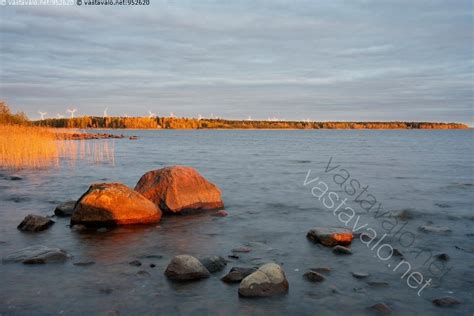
320, 60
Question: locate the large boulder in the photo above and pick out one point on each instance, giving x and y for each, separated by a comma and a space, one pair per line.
330, 237
179, 189
110, 204
268, 280
37, 255
35, 223
186, 268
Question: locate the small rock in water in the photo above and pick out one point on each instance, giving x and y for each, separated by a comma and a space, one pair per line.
404, 215
434, 229
214, 263
65, 209
242, 249
360, 275
396, 253
378, 284
341, 250
37, 254
221, 213
106, 290
135, 263
15, 178
321, 270
152, 265
442, 257
330, 237
35, 223
237, 274
381, 309
446, 301
186, 268
233, 256
84, 264
143, 273
268, 280
314, 276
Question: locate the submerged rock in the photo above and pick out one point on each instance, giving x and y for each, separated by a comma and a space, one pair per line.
378, 284
65, 209
434, 229
330, 237
37, 254
186, 268
314, 276
109, 204
179, 189
321, 270
220, 213
135, 263
442, 257
268, 280
446, 301
16, 178
237, 274
214, 263
242, 249
35, 223
360, 275
341, 250
381, 309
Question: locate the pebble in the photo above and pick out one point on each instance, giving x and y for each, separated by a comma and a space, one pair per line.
135, 263
360, 275
381, 309
341, 250
313, 276
447, 301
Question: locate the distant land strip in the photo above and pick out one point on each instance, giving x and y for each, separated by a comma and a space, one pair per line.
92, 122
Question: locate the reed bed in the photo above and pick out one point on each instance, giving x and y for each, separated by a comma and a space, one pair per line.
30, 147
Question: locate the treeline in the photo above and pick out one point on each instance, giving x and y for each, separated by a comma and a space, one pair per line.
7, 117
193, 123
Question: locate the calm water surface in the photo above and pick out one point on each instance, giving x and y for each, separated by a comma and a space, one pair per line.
261, 173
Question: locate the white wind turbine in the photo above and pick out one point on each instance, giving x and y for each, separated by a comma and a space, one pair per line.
151, 114
249, 118
42, 114
105, 112
199, 117
72, 111
125, 115
171, 114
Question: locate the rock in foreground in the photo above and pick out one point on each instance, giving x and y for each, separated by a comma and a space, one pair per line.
186, 268
446, 301
330, 237
110, 204
179, 189
37, 254
268, 280
65, 209
35, 223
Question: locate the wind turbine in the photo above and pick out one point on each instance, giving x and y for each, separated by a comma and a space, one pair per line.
199, 117
72, 111
171, 114
105, 112
152, 115
125, 115
59, 116
249, 118
42, 114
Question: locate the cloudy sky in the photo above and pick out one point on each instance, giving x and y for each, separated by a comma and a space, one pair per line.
319, 60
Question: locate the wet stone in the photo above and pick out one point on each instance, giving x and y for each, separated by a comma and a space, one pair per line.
237, 274
360, 275
381, 309
313, 276
341, 250
214, 263
135, 263
35, 223
447, 301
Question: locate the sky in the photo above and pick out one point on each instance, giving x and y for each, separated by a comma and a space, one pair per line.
357, 60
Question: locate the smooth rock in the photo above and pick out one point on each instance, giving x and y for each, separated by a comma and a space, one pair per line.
378, 284
35, 223
360, 275
179, 189
65, 209
381, 309
237, 274
185, 268
214, 263
15, 178
135, 263
341, 250
314, 276
242, 249
434, 229
110, 204
446, 301
330, 237
37, 254
268, 280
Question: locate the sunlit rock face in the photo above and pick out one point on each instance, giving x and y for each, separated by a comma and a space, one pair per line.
268, 280
179, 189
110, 204
330, 236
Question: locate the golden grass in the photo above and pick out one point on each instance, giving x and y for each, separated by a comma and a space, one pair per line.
37, 147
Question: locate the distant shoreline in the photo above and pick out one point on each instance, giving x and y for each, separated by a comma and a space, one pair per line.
153, 123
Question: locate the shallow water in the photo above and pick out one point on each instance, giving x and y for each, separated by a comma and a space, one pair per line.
261, 174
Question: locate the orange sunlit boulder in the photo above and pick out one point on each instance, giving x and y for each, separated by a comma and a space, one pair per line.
110, 204
179, 189
330, 236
